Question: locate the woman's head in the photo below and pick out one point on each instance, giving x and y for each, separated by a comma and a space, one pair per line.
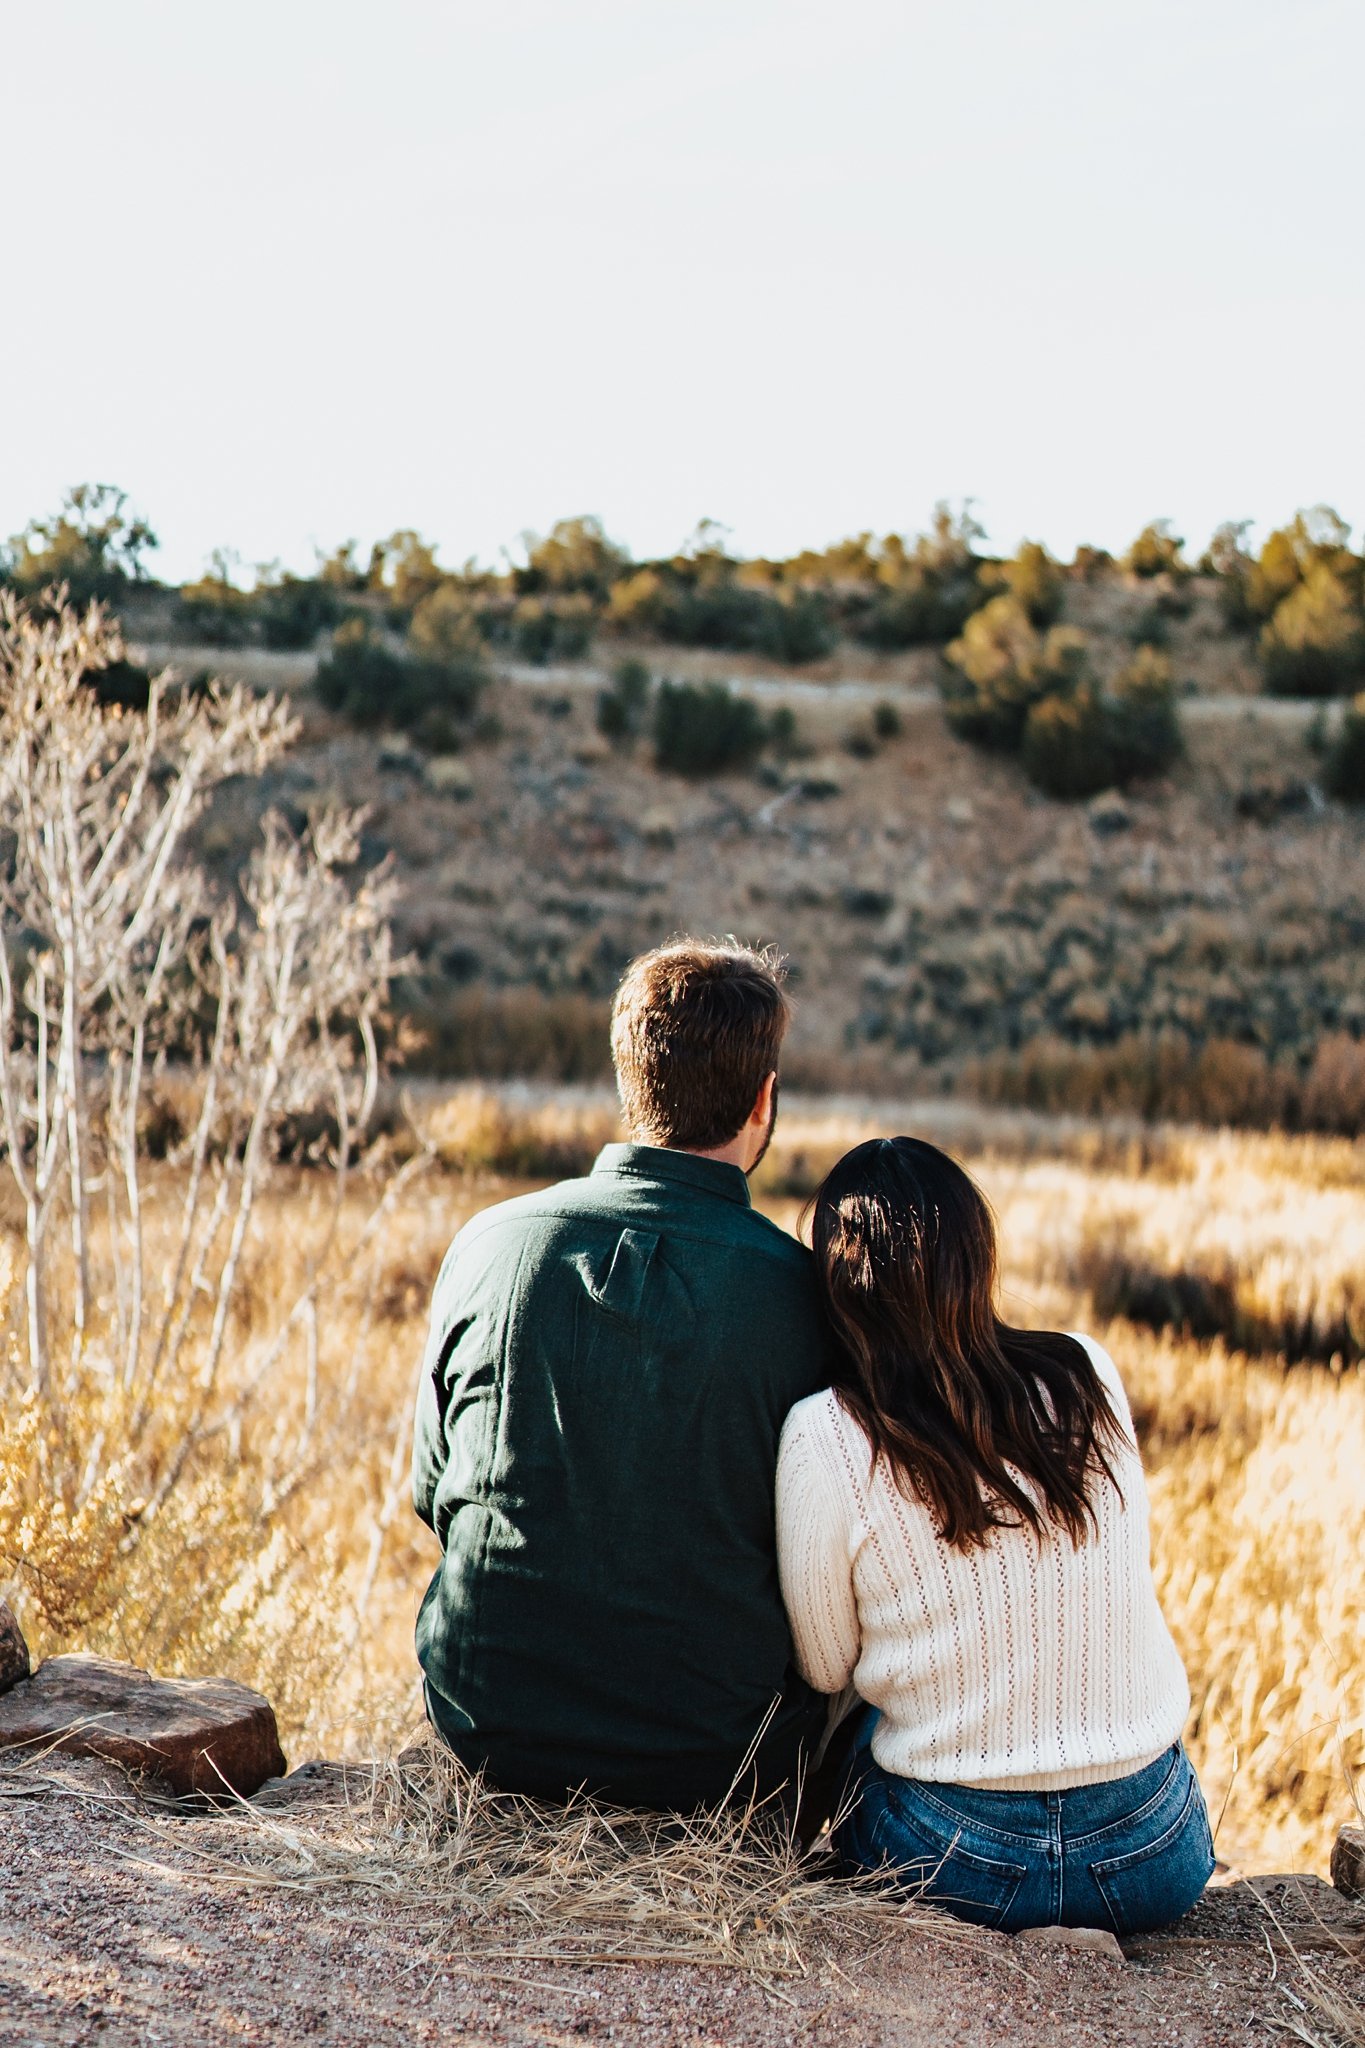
986, 1424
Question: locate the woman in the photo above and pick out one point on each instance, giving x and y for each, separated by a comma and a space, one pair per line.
962, 1533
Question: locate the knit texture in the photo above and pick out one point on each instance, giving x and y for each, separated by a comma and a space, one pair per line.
1018, 1666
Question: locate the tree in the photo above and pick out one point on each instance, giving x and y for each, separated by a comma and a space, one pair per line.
1315, 538
1033, 578
93, 545
1157, 551
404, 569
1002, 666
576, 558
1314, 646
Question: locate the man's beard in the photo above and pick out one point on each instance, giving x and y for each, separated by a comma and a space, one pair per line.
767, 1135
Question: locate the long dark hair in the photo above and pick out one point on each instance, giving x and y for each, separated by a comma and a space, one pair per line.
989, 1426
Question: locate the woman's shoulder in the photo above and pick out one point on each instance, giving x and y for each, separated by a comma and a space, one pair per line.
812, 1419
1107, 1373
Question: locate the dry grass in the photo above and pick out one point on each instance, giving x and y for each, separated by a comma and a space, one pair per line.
488, 1876
293, 1561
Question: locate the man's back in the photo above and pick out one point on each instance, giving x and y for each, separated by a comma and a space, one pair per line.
609, 1368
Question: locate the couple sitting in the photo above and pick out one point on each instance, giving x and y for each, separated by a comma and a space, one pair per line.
649, 1418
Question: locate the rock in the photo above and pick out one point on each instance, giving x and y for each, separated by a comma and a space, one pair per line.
1348, 1863
448, 775
822, 778
659, 827
1096, 1940
865, 899
1108, 814
205, 1735
399, 758
959, 810
14, 1663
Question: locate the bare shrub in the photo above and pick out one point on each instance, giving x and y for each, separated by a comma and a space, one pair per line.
120, 959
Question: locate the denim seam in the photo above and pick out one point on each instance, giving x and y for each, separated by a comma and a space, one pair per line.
994, 1866
1111, 1864
1138, 1814
978, 1827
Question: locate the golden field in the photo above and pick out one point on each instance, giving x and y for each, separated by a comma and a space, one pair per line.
288, 1554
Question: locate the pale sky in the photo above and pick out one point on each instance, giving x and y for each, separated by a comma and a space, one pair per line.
294, 273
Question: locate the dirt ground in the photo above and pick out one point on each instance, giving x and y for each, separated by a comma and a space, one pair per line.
117, 1927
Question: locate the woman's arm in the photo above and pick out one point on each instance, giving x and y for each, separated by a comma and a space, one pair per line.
815, 1553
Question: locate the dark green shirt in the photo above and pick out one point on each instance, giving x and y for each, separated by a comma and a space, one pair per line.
608, 1370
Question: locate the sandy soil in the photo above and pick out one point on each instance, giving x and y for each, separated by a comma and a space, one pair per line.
117, 1928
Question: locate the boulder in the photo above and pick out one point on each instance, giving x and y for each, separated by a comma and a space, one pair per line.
14, 1663
448, 775
1348, 1863
192, 1735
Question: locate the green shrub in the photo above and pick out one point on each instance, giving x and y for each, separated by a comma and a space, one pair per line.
1314, 646
704, 729
1001, 667
1068, 745
370, 683
621, 710
1078, 744
886, 721
545, 631
1144, 723
294, 610
1344, 762
923, 610
213, 611
798, 631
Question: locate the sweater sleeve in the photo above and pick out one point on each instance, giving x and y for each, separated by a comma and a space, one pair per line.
814, 1551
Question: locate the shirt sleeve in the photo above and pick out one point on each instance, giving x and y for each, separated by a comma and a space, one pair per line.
815, 1555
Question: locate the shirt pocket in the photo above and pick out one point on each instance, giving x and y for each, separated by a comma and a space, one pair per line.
945, 1866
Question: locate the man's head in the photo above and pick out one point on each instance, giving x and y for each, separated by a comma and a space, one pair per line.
695, 1033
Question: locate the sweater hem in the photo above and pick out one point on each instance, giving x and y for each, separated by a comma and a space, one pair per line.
1062, 1781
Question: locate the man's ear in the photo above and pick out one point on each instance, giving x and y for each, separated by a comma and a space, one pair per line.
763, 1101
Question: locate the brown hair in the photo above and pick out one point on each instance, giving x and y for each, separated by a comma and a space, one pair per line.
989, 1426
695, 1031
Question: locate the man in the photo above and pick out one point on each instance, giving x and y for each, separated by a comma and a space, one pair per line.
608, 1370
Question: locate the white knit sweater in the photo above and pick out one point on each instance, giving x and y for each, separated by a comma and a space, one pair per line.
1021, 1666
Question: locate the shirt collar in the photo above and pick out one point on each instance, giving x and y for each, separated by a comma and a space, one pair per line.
685, 1169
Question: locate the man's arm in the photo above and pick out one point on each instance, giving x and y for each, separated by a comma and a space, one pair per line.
429, 1447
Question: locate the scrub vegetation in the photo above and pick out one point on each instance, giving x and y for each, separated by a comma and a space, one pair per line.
218, 1235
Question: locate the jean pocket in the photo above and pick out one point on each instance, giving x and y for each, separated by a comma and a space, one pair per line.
1155, 1882
946, 1871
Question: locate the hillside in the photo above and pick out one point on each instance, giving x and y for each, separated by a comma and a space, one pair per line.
939, 913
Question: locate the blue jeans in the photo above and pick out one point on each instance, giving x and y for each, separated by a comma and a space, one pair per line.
1129, 1855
